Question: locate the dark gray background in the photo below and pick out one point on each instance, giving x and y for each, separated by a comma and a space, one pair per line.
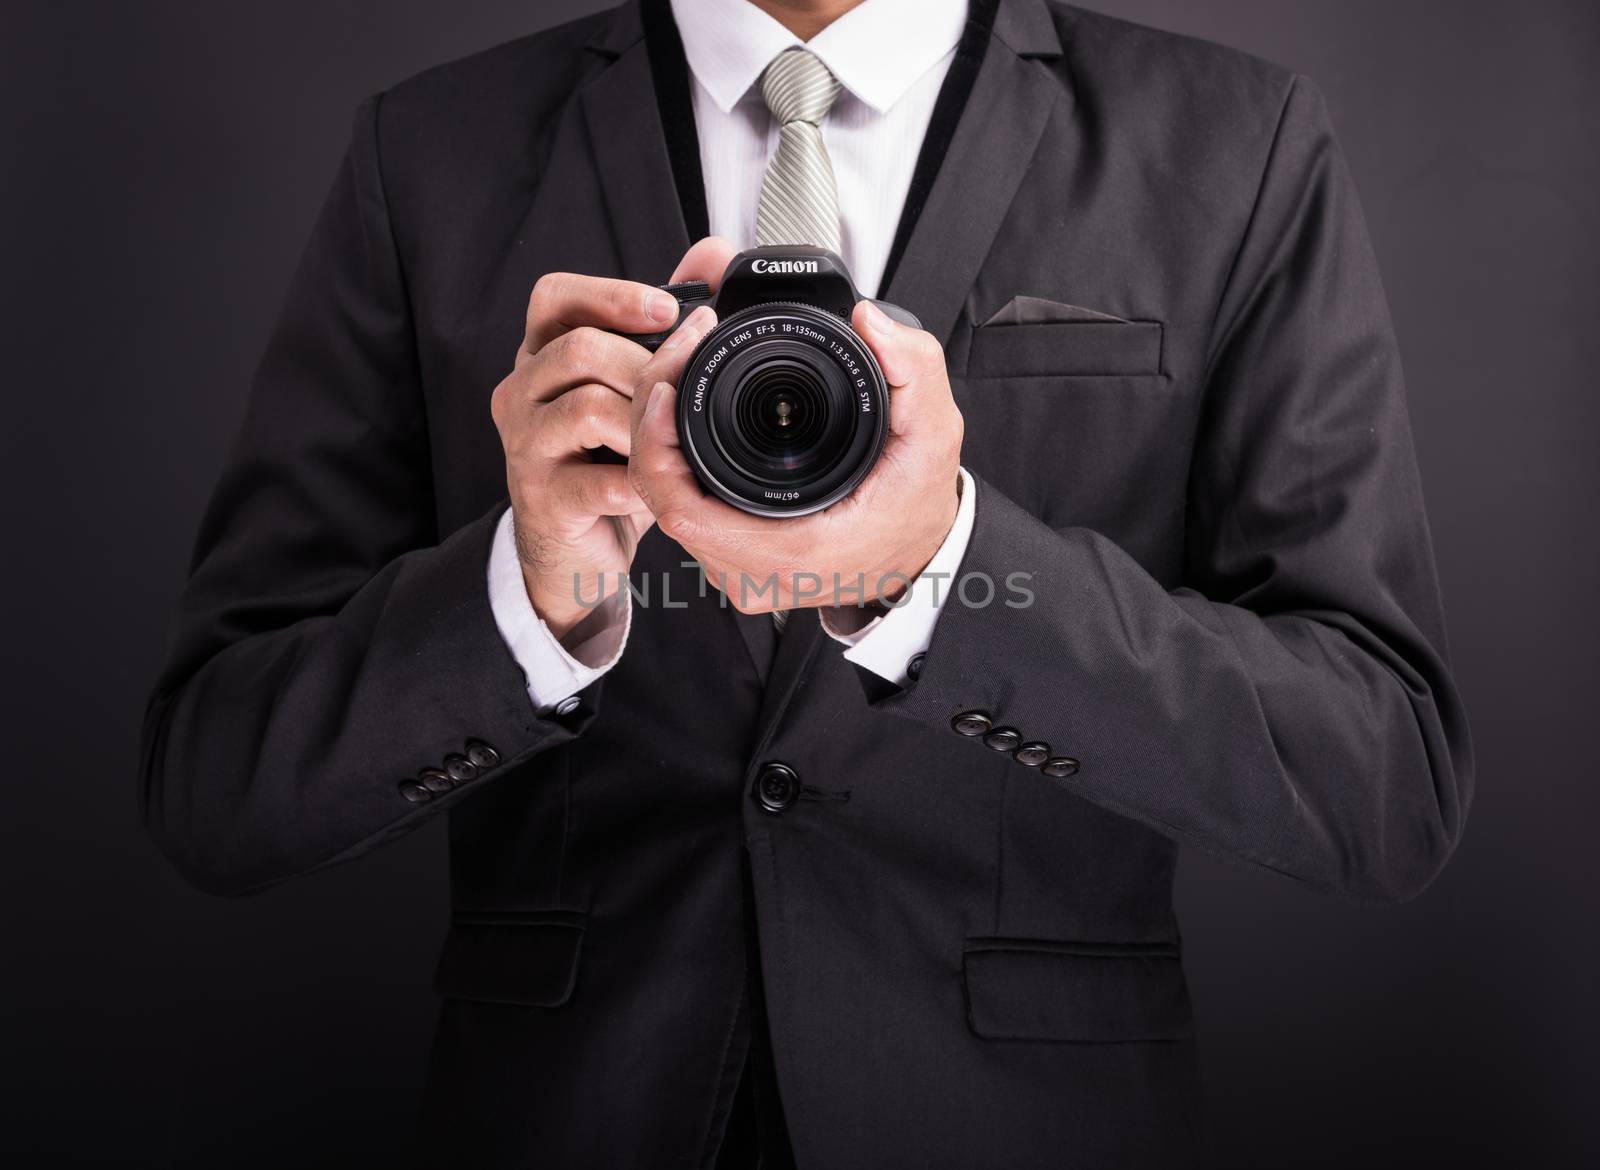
162, 163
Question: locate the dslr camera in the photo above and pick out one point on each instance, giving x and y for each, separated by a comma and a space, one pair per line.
782, 409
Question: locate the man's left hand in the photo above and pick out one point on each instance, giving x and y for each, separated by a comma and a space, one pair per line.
868, 547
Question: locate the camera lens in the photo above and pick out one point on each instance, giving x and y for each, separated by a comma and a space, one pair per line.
782, 410
786, 423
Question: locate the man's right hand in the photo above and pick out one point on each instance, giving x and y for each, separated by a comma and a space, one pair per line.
577, 522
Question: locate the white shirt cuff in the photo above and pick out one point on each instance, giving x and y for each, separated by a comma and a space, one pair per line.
887, 644
555, 672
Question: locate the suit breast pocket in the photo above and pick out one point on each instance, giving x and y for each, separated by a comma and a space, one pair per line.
1065, 349
1077, 422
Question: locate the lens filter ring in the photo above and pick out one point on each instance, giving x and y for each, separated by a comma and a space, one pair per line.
782, 410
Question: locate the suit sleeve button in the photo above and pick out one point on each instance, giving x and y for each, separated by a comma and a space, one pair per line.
414, 792
481, 754
1031, 755
1003, 739
914, 667
970, 723
568, 705
435, 781
1060, 767
460, 769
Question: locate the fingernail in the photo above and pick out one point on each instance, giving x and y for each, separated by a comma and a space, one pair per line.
661, 306
700, 320
874, 317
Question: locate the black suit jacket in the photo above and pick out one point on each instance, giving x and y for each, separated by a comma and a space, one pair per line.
1236, 627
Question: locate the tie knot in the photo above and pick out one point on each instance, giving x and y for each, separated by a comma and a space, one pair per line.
798, 87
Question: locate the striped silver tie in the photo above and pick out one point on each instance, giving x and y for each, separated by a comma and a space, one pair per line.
799, 199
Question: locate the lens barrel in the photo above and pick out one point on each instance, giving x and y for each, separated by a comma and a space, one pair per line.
782, 410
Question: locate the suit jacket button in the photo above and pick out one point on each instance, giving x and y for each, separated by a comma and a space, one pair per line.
914, 667
1060, 767
1031, 755
481, 754
415, 792
777, 787
568, 705
460, 768
1003, 739
971, 723
435, 781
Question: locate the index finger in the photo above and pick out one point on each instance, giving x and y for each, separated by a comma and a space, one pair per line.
565, 300
707, 260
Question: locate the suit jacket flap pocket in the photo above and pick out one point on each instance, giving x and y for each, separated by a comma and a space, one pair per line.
1066, 349
1026, 989
508, 960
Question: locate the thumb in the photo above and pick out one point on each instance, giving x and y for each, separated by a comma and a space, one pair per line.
669, 359
907, 356
912, 362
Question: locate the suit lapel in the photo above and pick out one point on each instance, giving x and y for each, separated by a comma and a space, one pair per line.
791, 665
1012, 99
627, 139
628, 142
760, 638
969, 198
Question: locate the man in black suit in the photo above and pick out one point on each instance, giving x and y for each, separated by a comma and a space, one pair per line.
737, 899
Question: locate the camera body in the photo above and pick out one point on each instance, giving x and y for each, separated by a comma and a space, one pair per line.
782, 409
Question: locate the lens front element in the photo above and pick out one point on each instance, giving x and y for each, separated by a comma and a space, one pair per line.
785, 422
782, 410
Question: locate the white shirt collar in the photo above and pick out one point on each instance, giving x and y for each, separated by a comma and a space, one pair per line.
877, 50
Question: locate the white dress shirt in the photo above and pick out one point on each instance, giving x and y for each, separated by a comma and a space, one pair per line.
891, 57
